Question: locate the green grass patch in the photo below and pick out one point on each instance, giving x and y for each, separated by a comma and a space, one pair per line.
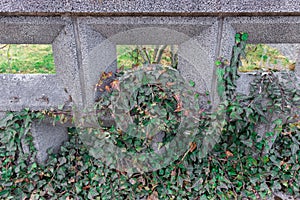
38, 58
26, 59
129, 56
263, 56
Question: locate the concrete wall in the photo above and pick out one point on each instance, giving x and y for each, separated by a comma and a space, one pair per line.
146, 7
84, 35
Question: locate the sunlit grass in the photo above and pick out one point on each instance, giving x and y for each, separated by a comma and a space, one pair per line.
38, 58
129, 56
262, 56
26, 59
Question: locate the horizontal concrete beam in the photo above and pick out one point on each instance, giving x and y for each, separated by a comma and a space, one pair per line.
41, 91
30, 30
267, 29
167, 7
30, 91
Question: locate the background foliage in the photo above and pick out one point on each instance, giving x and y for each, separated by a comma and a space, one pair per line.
242, 164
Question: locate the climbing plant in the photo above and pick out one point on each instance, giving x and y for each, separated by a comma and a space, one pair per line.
256, 156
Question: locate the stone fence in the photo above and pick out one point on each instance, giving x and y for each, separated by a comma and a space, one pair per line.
81, 29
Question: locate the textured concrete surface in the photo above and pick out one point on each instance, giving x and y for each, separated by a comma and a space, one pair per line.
66, 52
19, 91
243, 83
41, 91
200, 7
196, 38
227, 40
30, 30
46, 136
30, 91
2, 115
291, 51
267, 29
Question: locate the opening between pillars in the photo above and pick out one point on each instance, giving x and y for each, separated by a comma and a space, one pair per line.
26, 59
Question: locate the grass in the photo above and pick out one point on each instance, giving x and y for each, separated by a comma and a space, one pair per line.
38, 58
129, 56
258, 56
26, 59
262, 56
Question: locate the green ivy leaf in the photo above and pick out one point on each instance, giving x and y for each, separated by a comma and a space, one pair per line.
218, 63
245, 36
192, 83
4, 193
4, 121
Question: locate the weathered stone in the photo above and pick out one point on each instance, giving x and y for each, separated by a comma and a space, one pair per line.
46, 136
66, 52
2, 115
19, 91
127, 7
38, 91
30, 30
196, 38
243, 83
267, 29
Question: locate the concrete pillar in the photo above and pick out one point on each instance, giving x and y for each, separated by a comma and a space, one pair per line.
2, 115
47, 136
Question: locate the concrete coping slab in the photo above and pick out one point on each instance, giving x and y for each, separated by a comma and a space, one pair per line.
169, 7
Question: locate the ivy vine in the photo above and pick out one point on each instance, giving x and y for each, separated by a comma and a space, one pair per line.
256, 157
